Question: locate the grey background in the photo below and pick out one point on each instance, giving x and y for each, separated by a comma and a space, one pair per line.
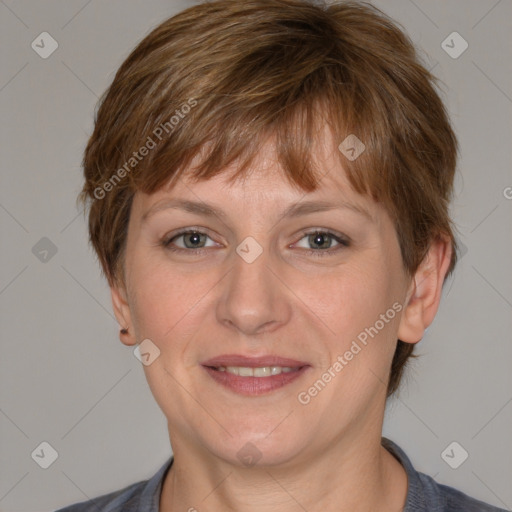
65, 377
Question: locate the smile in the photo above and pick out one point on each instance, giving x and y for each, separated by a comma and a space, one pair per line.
253, 376
264, 371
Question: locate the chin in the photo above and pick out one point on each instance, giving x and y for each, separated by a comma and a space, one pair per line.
258, 446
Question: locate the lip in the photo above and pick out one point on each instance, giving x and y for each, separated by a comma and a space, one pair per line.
253, 362
254, 386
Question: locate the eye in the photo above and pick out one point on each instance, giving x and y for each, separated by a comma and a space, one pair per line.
193, 240
321, 242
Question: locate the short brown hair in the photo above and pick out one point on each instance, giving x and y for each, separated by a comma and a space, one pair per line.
220, 77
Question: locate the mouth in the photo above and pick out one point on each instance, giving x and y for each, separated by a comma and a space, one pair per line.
253, 376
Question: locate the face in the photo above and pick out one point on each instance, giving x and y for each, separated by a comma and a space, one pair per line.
304, 307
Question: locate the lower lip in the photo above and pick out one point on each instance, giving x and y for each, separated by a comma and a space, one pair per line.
254, 386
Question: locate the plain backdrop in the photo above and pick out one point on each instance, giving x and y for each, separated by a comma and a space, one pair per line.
67, 380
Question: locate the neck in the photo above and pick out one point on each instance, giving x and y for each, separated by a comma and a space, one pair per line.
355, 474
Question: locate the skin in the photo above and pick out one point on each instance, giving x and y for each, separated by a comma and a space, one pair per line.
323, 456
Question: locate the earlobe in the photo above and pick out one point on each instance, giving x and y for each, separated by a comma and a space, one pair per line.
122, 314
424, 294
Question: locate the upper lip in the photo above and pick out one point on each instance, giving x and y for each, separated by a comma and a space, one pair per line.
253, 362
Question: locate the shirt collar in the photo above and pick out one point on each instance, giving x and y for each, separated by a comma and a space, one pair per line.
416, 499
150, 497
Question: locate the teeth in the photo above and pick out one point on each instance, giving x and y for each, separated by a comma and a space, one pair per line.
262, 372
265, 371
245, 372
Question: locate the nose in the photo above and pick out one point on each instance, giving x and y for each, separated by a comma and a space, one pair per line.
254, 300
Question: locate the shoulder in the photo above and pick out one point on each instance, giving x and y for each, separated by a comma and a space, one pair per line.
126, 499
425, 494
141, 496
442, 498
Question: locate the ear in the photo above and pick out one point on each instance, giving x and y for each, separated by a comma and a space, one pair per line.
424, 294
123, 314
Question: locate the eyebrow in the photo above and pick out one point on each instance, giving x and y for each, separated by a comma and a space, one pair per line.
294, 210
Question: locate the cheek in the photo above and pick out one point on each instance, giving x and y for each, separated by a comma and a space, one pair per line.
167, 301
356, 305
349, 300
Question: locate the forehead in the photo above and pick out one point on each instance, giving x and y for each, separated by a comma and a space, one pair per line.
264, 183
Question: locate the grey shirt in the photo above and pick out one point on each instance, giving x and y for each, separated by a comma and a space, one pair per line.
423, 494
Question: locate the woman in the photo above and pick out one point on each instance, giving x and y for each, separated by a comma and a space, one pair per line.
269, 184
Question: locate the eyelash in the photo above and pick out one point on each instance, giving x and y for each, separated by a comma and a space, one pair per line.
343, 243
